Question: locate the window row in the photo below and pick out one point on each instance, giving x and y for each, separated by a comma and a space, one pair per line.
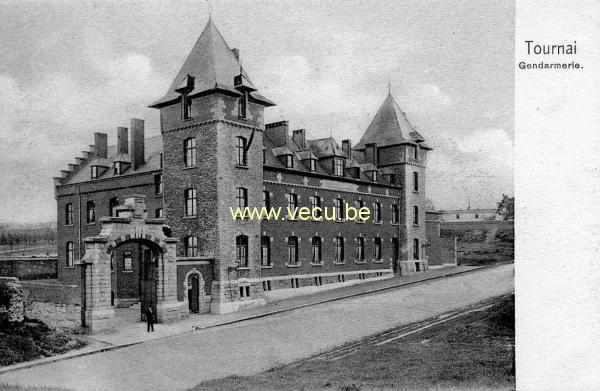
90, 211
190, 152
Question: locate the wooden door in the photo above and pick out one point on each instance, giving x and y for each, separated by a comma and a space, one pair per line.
147, 282
194, 293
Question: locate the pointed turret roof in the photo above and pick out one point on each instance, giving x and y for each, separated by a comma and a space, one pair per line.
389, 126
211, 65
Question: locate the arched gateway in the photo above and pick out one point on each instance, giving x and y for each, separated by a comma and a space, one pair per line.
158, 270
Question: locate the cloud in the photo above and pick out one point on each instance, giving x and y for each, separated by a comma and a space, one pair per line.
476, 167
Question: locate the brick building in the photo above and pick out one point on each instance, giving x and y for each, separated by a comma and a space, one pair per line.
148, 219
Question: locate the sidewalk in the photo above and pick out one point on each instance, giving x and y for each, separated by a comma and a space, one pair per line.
136, 332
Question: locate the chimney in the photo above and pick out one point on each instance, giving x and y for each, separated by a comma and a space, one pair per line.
122, 140
299, 136
101, 145
236, 53
137, 143
346, 147
278, 131
371, 153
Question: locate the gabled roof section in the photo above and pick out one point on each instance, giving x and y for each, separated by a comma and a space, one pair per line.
326, 147
211, 65
389, 126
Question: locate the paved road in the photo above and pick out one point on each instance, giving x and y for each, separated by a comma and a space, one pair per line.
255, 345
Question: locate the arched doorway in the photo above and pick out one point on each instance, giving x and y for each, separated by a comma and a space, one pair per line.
157, 276
134, 277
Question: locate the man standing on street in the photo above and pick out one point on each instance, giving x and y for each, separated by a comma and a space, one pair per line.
150, 318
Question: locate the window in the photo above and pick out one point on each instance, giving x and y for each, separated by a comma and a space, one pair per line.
161, 160
377, 249
266, 285
374, 176
312, 165
241, 244
241, 151
265, 251
243, 105
95, 172
186, 104
315, 202
377, 213
158, 184
69, 214
415, 248
338, 208
289, 161
119, 167
245, 291
127, 261
458, 216
395, 249
359, 204
339, 249
242, 197
338, 166
341, 278
91, 212
395, 214
266, 199
191, 246
189, 146
295, 283
158, 213
416, 152
318, 281
415, 215
112, 207
360, 249
70, 257
292, 250
316, 249
190, 202
476, 215
415, 181
393, 179
292, 200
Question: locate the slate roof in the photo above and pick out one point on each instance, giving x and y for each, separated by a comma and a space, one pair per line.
211, 65
326, 147
389, 126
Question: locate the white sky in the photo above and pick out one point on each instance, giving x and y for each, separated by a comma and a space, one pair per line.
70, 69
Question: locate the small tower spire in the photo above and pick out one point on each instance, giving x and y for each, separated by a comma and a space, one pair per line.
389, 86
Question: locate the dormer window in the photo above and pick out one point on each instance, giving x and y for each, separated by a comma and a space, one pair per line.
373, 175
289, 161
95, 172
338, 166
119, 167
312, 165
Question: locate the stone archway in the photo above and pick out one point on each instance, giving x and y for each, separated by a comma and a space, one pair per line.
130, 225
187, 287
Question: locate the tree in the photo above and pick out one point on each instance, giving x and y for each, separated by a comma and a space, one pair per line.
429, 206
506, 207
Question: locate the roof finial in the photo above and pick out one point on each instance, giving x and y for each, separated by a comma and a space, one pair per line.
389, 85
210, 9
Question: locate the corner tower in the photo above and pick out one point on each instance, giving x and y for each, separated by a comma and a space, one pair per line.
212, 124
400, 152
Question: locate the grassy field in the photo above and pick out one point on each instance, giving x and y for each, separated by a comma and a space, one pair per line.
31, 339
482, 243
474, 352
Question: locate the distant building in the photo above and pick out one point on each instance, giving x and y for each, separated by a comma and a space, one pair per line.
469, 215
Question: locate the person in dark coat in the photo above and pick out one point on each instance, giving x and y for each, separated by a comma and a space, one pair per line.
150, 318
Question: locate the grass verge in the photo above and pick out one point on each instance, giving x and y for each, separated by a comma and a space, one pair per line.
473, 352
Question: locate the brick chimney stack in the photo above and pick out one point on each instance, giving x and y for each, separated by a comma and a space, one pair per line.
346, 147
279, 132
137, 143
299, 136
101, 145
122, 140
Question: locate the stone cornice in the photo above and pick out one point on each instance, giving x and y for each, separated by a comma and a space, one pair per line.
212, 121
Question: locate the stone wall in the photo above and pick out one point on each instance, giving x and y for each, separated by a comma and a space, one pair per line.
11, 299
56, 305
29, 268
